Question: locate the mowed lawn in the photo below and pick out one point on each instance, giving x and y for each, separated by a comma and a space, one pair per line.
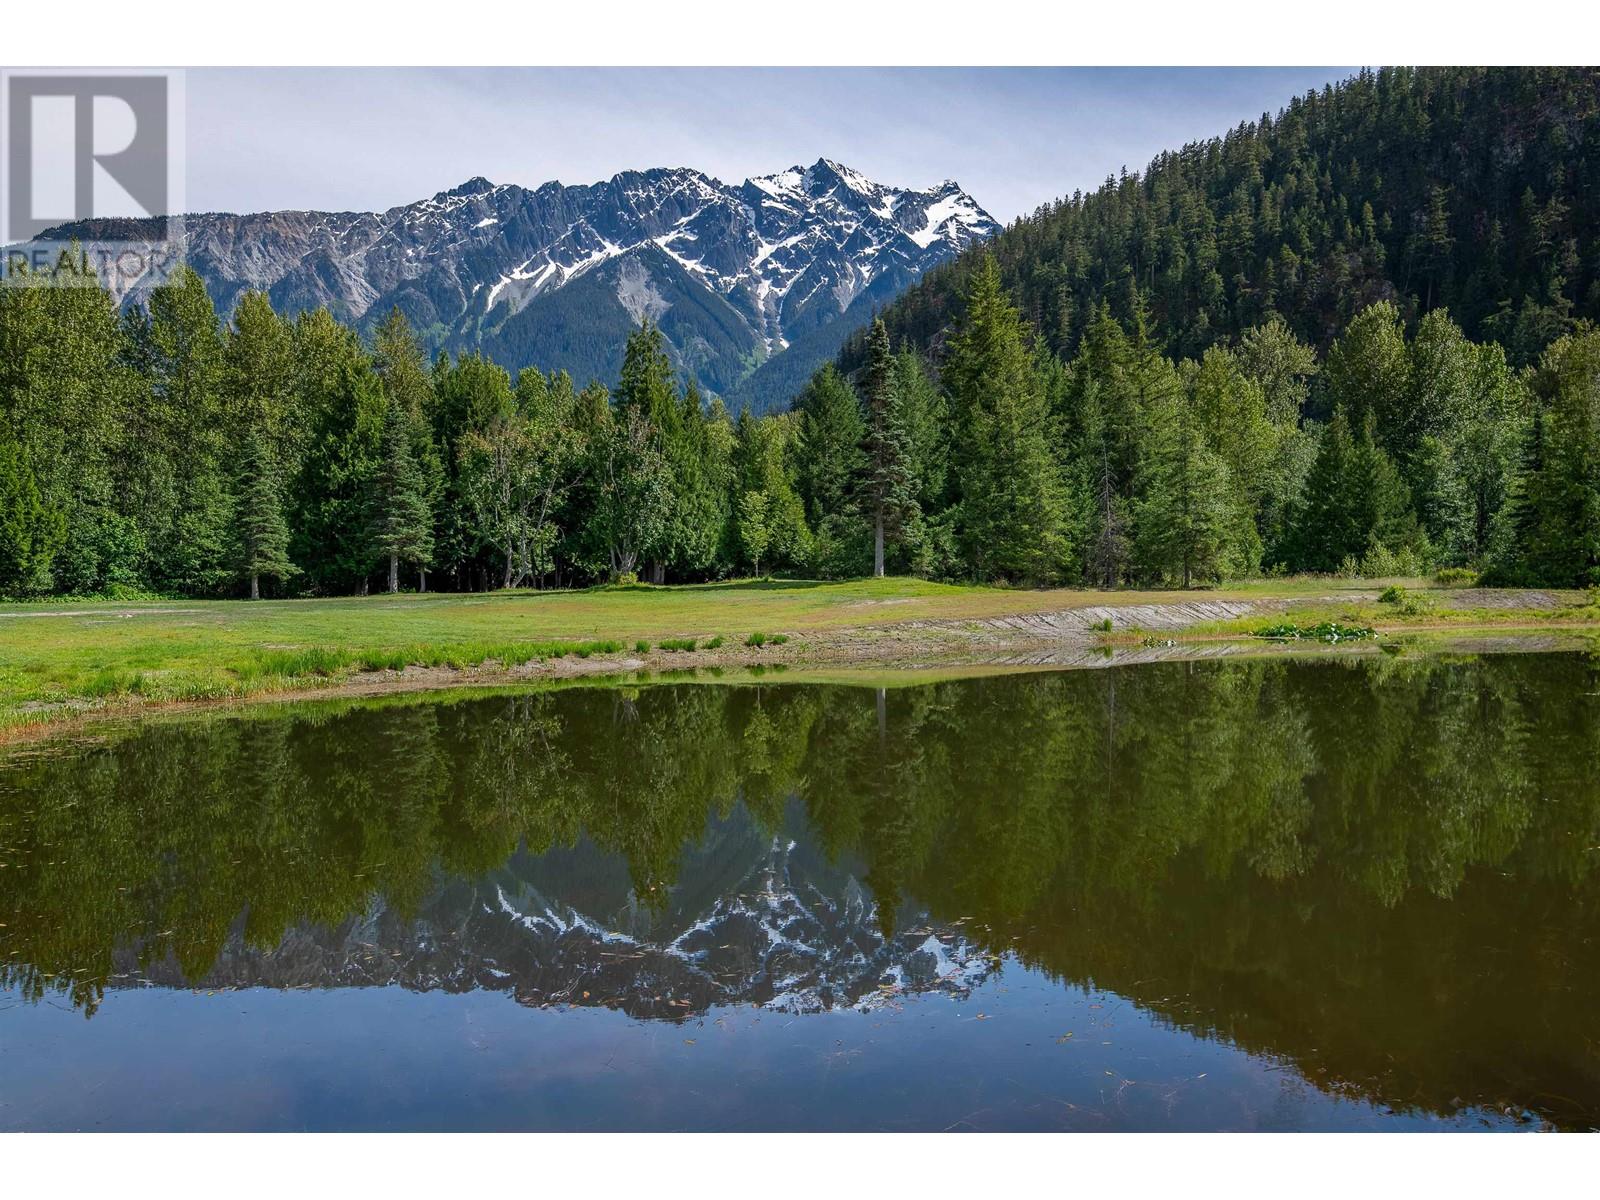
195, 649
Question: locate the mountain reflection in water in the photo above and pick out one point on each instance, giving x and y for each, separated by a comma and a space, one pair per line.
1380, 872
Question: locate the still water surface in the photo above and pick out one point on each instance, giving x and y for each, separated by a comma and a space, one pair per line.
1333, 894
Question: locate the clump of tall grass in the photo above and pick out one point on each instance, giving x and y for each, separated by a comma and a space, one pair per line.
293, 664
384, 660
114, 682
520, 653
684, 644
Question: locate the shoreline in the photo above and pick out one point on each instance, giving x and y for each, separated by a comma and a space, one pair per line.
901, 652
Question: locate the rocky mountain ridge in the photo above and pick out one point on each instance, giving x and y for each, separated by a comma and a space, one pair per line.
737, 276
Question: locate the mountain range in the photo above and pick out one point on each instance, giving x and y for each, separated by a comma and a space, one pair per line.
753, 285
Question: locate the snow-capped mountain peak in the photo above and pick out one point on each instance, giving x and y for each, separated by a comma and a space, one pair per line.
735, 275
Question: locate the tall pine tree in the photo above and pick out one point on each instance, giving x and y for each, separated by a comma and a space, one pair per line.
402, 522
1185, 512
261, 532
829, 465
1012, 514
398, 358
888, 481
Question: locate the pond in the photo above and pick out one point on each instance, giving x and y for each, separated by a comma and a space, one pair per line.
1335, 893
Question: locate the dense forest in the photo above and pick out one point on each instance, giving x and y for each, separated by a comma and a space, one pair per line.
163, 451
1468, 188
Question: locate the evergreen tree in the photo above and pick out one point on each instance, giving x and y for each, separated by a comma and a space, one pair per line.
646, 387
403, 368
646, 382
928, 546
1326, 529
261, 533
1012, 513
888, 483
1104, 520
1232, 410
1185, 512
1355, 504
829, 465
1377, 496
1109, 378
698, 509
402, 522
331, 528
1516, 524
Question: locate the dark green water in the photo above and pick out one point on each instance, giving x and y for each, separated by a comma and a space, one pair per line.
1333, 894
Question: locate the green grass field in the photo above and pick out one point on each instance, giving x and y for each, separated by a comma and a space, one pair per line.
69, 655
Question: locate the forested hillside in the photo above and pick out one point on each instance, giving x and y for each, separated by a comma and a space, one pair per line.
1468, 188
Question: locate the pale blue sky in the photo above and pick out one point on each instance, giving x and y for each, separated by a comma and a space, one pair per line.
369, 138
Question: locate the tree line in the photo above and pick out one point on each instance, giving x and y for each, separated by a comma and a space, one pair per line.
167, 450
1398, 451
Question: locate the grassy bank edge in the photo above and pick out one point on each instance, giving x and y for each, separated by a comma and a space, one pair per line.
108, 723
229, 672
